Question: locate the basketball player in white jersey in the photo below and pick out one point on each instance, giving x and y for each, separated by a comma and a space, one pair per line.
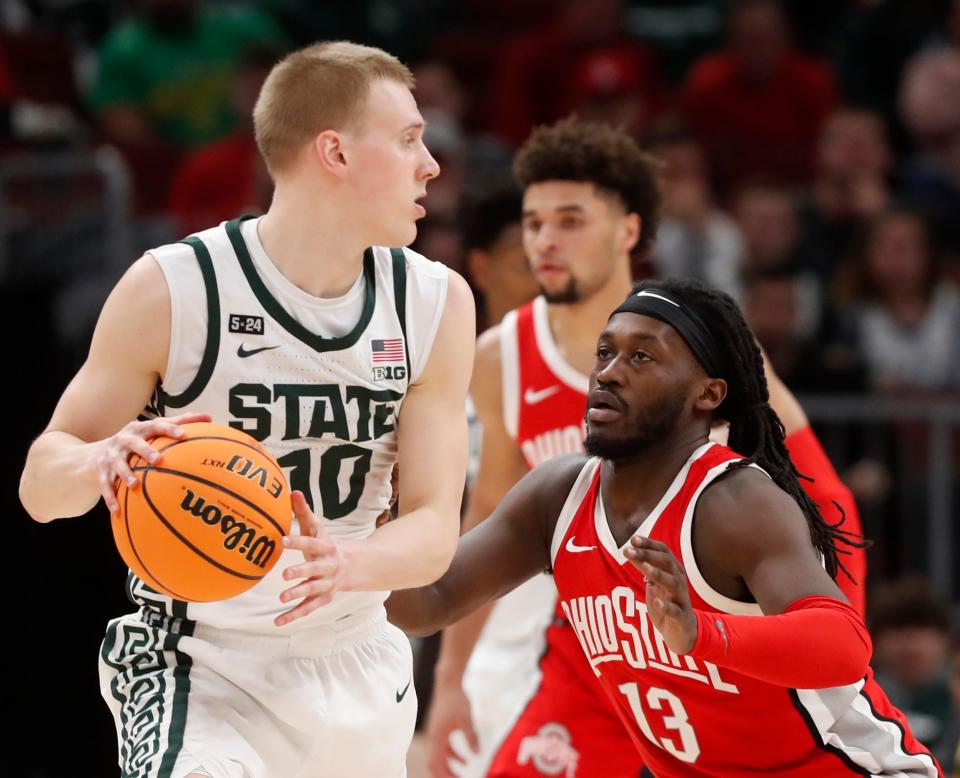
342, 357
589, 200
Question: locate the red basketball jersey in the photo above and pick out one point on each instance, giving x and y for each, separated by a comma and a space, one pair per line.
688, 717
544, 398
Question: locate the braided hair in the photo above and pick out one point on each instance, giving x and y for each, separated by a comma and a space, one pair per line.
756, 431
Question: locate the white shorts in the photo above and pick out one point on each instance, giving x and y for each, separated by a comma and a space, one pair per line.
337, 702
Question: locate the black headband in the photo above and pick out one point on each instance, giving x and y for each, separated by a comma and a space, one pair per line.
658, 305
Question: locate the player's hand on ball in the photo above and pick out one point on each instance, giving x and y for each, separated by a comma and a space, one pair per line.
668, 601
322, 566
111, 457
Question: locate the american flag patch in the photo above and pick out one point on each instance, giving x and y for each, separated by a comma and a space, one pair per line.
387, 350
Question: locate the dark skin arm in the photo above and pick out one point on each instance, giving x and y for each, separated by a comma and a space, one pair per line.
496, 556
751, 542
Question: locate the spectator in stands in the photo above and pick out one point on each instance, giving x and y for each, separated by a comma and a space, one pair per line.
680, 30
227, 177
164, 79
758, 105
851, 186
498, 266
766, 215
930, 108
439, 90
801, 336
608, 88
905, 314
535, 73
695, 238
910, 627
879, 40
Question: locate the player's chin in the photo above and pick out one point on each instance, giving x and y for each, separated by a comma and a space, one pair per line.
402, 234
607, 444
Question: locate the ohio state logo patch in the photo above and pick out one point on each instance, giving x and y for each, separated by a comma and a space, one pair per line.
551, 751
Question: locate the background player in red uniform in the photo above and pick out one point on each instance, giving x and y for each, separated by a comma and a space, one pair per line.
746, 657
589, 200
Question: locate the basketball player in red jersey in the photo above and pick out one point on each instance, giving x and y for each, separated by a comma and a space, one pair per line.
697, 577
589, 200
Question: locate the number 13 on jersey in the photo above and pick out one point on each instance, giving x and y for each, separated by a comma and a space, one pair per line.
674, 718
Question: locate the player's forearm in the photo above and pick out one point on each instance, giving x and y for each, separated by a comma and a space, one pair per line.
816, 643
427, 609
58, 479
415, 550
448, 602
418, 612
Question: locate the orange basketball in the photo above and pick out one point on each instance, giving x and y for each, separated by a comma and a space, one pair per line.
205, 523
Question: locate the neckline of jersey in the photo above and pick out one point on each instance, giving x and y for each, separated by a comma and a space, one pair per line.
279, 284
282, 316
550, 351
646, 527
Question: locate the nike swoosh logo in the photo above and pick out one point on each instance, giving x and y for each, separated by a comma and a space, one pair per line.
532, 397
401, 695
244, 353
573, 548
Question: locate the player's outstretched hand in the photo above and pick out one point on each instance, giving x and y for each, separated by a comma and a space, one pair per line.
112, 455
668, 601
451, 739
322, 566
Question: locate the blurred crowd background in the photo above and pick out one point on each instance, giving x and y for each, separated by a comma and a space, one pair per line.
809, 163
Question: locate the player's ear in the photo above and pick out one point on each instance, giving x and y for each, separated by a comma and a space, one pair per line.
629, 232
478, 263
712, 393
328, 150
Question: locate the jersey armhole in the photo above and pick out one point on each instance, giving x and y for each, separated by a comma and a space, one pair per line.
421, 355
510, 374
571, 505
400, 300
688, 559
212, 345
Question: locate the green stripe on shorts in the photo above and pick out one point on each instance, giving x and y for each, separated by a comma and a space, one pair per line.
181, 693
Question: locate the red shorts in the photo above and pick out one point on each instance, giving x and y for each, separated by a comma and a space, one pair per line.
569, 728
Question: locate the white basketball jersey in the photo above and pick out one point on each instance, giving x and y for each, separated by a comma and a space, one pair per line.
320, 382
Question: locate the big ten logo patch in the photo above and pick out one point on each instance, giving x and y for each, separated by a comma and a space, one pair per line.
389, 372
551, 751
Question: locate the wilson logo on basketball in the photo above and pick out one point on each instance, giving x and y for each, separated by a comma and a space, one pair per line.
237, 536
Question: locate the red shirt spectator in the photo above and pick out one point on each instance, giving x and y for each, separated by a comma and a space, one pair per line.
758, 106
537, 74
218, 182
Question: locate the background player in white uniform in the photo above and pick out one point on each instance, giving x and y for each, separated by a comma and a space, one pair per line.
288, 327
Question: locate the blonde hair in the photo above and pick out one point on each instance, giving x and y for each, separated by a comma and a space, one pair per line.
321, 87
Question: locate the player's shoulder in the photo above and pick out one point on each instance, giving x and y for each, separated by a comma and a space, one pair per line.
553, 479
142, 288
742, 505
488, 344
417, 264
184, 250
740, 482
427, 280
